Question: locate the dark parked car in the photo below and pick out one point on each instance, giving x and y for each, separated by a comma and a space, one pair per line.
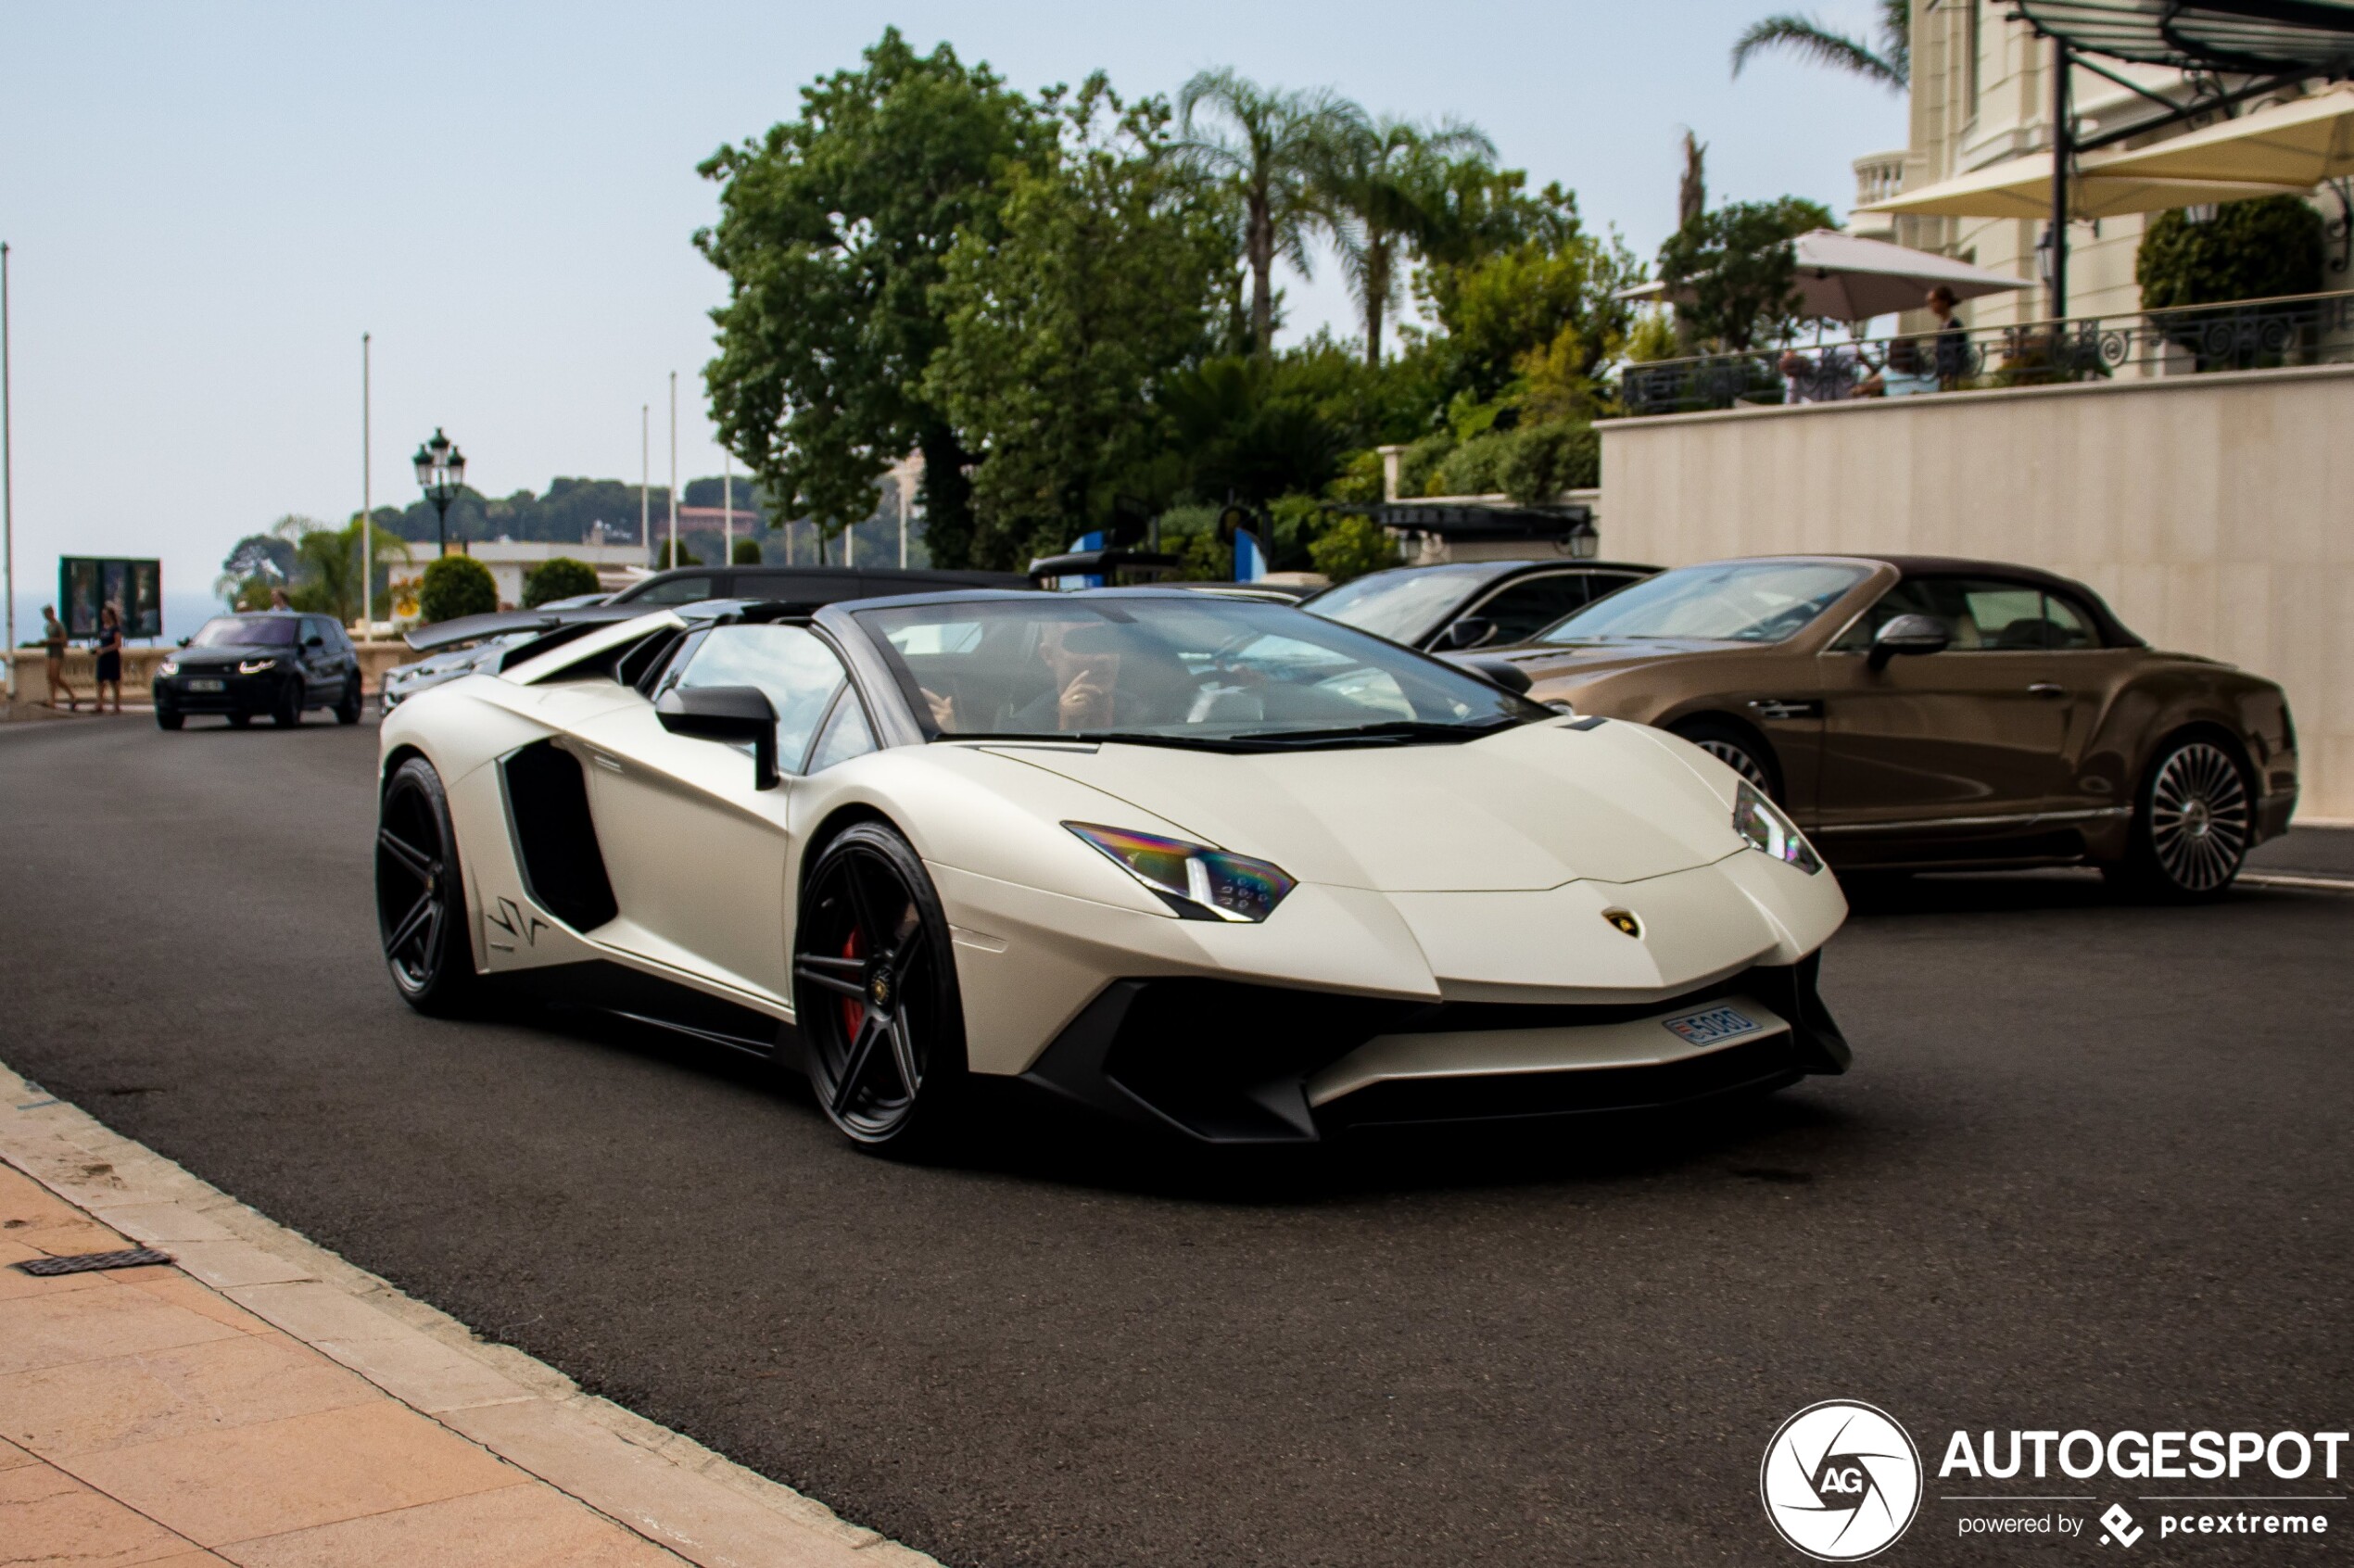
1471, 604
273, 662
1916, 713
802, 585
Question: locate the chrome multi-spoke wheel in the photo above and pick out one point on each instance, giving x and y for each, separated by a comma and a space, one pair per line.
1737, 756
420, 899
1727, 743
874, 990
2198, 817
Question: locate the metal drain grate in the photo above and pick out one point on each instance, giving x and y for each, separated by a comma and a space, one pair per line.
138, 1256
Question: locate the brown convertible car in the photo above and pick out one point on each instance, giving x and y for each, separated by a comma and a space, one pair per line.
1915, 712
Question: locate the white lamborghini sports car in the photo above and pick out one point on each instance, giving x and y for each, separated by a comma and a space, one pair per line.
1210, 863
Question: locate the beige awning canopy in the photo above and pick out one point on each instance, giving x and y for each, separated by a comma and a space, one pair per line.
2300, 142
2022, 188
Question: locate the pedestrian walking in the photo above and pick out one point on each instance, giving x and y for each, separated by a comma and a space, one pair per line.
53, 637
109, 647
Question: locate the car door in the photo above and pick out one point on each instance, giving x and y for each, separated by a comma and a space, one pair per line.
322, 665
695, 853
1978, 732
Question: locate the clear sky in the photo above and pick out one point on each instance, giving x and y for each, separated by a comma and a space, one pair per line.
208, 203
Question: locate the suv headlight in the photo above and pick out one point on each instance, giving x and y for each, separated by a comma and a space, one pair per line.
254, 667
169, 668
1197, 882
1762, 823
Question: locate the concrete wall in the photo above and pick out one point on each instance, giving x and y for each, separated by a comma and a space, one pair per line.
2215, 513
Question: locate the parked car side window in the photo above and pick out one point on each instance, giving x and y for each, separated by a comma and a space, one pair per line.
1529, 606
790, 664
1981, 615
678, 590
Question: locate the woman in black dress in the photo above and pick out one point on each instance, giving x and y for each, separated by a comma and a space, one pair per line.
110, 657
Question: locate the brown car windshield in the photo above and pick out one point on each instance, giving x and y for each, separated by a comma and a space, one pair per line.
1726, 602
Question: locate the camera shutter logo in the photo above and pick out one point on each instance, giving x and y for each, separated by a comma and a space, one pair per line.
1841, 1481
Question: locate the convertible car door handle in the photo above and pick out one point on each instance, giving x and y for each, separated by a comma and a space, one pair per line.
2044, 689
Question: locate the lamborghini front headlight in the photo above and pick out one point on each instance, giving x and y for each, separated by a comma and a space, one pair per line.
1196, 881
1762, 823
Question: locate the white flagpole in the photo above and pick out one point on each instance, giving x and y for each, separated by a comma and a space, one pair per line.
7, 480
674, 468
367, 501
728, 506
645, 471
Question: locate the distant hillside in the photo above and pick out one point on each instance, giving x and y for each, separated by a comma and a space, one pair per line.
568, 513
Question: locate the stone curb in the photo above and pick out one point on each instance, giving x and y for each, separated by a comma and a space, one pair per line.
659, 1484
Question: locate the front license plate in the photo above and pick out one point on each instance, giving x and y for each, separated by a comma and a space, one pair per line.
206, 686
1717, 1023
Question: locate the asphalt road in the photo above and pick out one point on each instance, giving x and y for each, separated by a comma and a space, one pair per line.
2090, 1171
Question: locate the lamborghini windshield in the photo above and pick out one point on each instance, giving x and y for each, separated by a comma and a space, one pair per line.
1174, 669
1726, 602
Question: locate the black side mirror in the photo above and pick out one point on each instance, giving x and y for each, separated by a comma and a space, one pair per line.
1500, 672
726, 713
1909, 634
1469, 632
315, 640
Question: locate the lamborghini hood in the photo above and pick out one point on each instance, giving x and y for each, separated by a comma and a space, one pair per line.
1533, 807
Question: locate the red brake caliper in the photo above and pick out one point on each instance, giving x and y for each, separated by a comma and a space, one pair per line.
853, 1014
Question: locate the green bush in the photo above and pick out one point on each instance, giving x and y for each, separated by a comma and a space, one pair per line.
1473, 468
558, 578
1353, 546
2260, 249
747, 554
1544, 460
455, 586
671, 555
1419, 462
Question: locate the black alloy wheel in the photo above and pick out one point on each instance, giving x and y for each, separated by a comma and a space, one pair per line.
287, 711
875, 993
347, 706
2193, 825
1737, 750
420, 901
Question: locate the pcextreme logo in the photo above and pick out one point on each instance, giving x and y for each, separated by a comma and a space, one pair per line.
1840, 1481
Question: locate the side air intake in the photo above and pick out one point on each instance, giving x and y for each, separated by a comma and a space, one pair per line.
555, 839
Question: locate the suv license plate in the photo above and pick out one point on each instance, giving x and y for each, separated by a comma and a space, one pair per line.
1717, 1023
206, 686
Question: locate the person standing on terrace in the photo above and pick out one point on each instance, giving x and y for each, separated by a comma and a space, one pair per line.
1953, 338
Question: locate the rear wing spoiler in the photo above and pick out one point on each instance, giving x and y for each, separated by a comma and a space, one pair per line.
501, 623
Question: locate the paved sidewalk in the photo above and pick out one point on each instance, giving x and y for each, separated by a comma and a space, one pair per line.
261, 1402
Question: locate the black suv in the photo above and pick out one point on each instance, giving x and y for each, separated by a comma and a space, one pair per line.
273, 662
803, 585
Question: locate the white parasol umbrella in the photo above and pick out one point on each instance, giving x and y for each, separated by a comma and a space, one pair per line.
1842, 278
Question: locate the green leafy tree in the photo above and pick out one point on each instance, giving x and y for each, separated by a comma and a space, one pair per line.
1889, 63
1105, 275
1245, 433
327, 562
259, 562
1353, 546
1268, 148
1738, 270
455, 586
834, 231
2260, 249
747, 554
559, 576
1384, 187
670, 555
1546, 304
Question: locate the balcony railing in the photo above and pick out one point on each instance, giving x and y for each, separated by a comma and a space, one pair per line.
2308, 329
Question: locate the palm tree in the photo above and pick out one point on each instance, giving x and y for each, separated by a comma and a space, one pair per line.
1382, 185
1270, 148
1891, 64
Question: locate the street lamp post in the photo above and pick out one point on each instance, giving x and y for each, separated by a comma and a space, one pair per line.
441, 473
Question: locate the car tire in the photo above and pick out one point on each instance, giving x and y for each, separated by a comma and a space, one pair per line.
421, 896
286, 711
2194, 823
881, 1021
169, 718
1736, 749
347, 707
